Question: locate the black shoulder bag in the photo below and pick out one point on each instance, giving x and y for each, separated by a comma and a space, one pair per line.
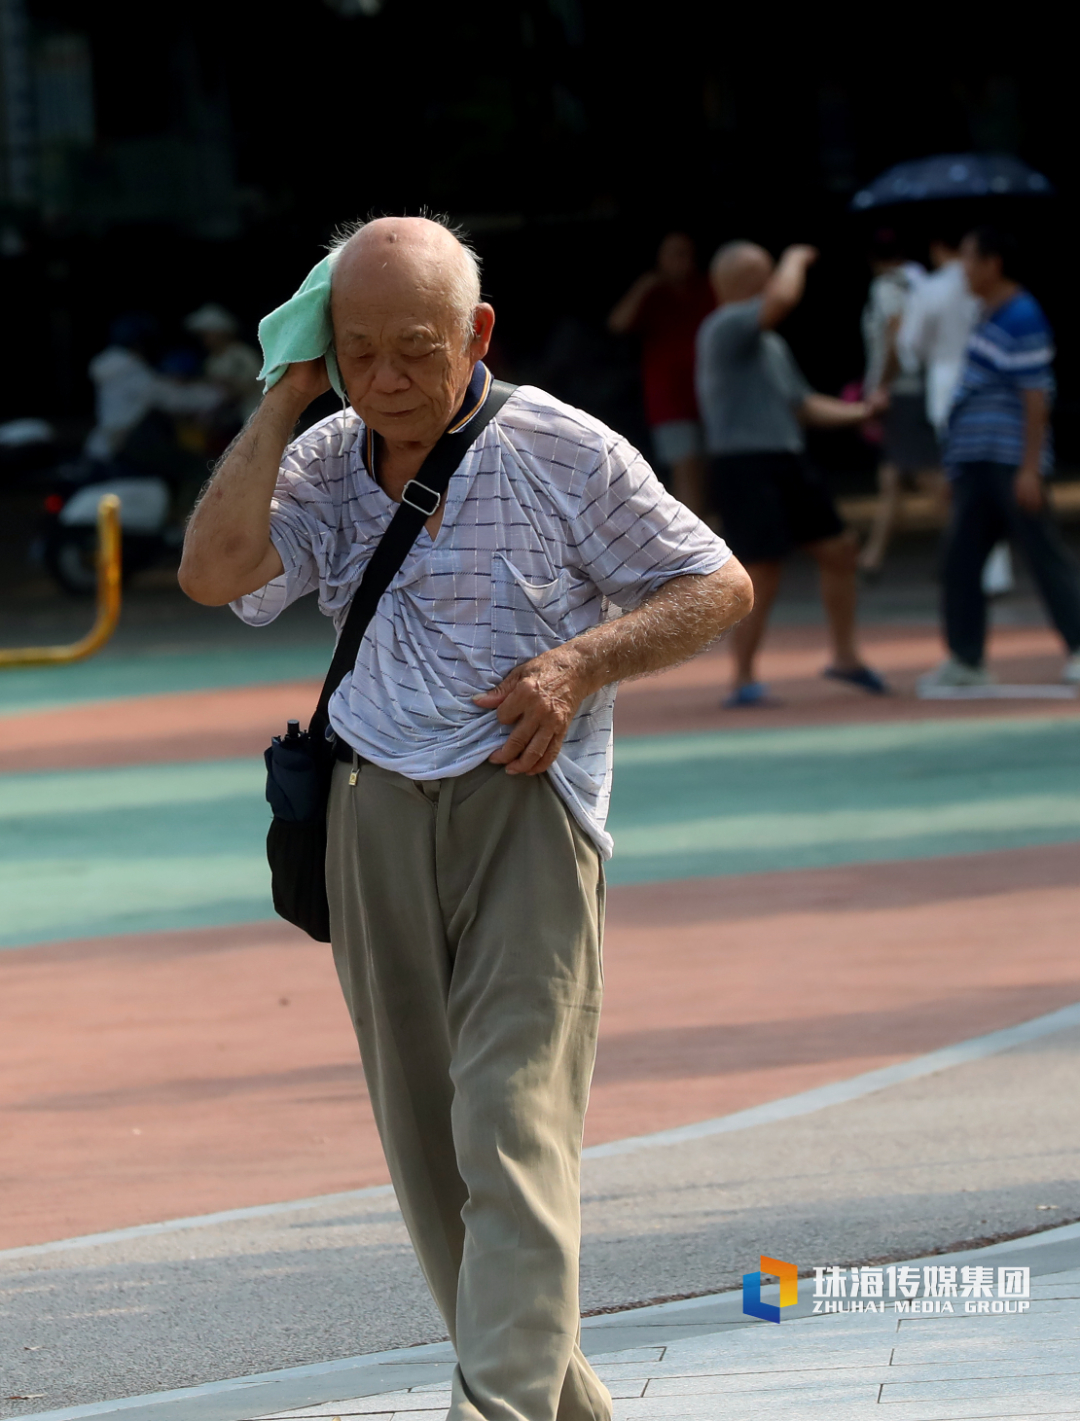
300, 763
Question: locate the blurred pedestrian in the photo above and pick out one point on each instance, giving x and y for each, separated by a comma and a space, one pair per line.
665, 307
998, 454
939, 317
230, 362
909, 449
754, 403
129, 393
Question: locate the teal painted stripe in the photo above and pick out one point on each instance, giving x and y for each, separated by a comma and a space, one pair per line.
47, 898
92, 852
86, 853
756, 801
999, 734
68, 792
113, 677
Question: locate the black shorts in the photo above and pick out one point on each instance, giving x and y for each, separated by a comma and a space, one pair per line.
771, 504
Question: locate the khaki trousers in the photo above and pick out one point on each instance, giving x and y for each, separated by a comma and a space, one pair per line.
466, 917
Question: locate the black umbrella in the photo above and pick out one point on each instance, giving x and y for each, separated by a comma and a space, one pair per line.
951, 175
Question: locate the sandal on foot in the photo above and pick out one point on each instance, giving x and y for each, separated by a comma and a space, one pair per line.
753, 693
860, 676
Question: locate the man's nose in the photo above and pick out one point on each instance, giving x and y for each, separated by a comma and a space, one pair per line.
389, 377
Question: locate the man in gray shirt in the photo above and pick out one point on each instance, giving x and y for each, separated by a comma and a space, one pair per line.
755, 403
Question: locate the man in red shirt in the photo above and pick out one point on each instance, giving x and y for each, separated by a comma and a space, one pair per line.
665, 307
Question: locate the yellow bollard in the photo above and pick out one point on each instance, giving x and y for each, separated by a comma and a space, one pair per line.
108, 600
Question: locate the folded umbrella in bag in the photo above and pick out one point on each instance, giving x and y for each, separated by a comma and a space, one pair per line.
299, 764
298, 770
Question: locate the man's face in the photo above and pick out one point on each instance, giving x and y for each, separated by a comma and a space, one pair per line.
675, 259
982, 273
940, 254
402, 355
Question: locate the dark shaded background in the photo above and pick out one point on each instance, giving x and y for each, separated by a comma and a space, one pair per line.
225, 140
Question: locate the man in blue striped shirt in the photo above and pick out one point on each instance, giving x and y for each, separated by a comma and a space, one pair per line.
997, 453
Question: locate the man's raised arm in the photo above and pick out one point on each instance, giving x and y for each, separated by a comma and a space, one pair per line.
227, 548
784, 289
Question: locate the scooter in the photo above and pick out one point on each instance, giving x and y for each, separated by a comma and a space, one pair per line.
69, 543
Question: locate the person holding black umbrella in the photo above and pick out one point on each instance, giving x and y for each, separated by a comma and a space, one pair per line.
998, 453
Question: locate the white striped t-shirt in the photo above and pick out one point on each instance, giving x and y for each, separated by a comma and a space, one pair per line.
550, 516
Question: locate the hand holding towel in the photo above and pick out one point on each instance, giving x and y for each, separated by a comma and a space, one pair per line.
301, 329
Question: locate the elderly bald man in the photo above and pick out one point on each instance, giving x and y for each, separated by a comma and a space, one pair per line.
755, 403
466, 820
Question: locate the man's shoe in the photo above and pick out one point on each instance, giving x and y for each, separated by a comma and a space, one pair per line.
753, 693
1071, 673
860, 676
954, 673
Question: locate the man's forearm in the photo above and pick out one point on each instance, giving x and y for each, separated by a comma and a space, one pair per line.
827, 412
1036, 418
784, 289
672, 625
624, 315
541, 697
227, 548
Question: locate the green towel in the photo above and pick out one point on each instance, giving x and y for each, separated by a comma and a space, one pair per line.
301, 329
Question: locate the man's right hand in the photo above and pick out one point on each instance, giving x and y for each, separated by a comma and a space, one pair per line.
784, 289
306, 379
1028, 489
802, 253
876, 403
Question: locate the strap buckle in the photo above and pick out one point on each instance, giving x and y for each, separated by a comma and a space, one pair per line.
421, 506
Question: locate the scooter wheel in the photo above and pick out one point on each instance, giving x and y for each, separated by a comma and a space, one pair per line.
71, 558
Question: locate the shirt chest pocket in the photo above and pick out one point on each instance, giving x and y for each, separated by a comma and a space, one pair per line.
527, 617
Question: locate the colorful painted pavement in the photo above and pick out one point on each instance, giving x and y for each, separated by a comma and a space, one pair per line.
797, 895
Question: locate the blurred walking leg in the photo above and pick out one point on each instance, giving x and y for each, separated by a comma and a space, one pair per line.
977, 522
886, 513
688, 483
1053, 566
746, 636
836, 562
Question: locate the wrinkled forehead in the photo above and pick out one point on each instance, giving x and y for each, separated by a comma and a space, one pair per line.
384, 302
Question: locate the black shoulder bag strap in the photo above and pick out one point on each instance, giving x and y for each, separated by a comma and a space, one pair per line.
299, 764
420, 499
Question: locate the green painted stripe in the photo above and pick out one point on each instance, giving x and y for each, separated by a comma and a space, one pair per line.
73, 897
795, 830
93, 852
757, 801
85, 792
71, 792
116, 676
843, 741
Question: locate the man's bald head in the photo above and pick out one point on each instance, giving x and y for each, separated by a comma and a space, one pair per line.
409, 324
414, 255
740, 271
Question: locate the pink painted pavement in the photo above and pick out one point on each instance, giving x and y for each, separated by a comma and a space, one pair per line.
157, 1076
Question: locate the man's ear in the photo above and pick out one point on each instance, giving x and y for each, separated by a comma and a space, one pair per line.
483, 325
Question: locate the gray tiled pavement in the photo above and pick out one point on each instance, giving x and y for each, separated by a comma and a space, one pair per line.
845, 1367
